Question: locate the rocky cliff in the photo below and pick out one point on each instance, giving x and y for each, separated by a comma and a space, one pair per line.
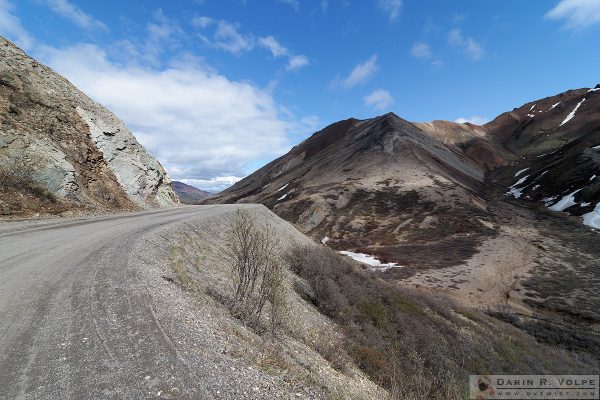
59, 150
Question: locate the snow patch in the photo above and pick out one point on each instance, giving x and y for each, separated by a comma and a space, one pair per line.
554, 106
530, 115
596, 147
514, 190
584, 204
549, 200
593, 90
532, 107
325, 240
283, 187
592, 178
566, 202
545, 154
572, 114
520, 172
593, 218
370, 260
286, 195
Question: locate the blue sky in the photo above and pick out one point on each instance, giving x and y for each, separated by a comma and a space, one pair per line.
217, 88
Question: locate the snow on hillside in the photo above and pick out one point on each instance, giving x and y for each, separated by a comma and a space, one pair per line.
593, 218
514, 190
370, 260
566, 202
521, 171
572, 114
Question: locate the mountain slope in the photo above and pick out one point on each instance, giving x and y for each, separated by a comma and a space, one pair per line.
473, 141
189, 194
558, 141
430, 204
60, 150
382, 187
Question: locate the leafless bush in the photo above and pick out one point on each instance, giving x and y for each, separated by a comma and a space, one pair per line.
257, 272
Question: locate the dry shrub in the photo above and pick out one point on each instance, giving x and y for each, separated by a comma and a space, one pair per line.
329, 343
257, 273
414, 345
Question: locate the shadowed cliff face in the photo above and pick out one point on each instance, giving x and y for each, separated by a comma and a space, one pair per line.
68, 147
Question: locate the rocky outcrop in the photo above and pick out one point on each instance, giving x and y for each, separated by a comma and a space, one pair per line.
70, 146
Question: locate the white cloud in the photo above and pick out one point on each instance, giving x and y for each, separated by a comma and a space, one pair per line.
421, 50
467, 45
297, 62
379, 99
202, 22
228, 38
360, 74
295, 4
162, 33
475, 120
11, 27
75, 14
577, 14
270, 43
198, 123
391, 8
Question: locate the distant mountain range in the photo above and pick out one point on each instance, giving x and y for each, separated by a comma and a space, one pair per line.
189, 194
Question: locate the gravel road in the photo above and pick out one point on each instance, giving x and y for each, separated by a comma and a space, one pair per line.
75, 322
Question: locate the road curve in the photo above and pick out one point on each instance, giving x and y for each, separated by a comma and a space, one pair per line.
75, 322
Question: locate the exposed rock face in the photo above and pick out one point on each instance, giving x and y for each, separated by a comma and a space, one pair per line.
71, 146
189, 194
